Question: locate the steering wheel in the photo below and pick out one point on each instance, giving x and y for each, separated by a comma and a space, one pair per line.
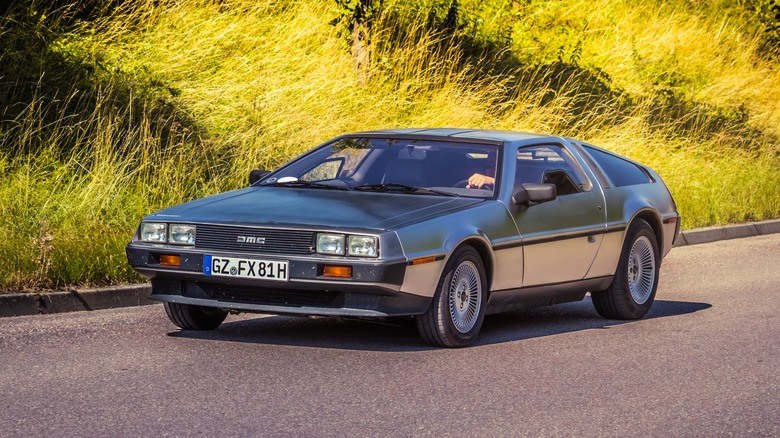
463, 184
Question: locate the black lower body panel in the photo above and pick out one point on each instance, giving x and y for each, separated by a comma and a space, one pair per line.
288, 301
544, 295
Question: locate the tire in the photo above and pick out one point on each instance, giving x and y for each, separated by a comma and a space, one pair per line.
191, 317
633, 288
458, 308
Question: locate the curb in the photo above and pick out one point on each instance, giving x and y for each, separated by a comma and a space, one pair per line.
713, 234
73, 300
137, 294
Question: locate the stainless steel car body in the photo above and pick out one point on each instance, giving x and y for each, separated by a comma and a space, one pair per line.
552, 252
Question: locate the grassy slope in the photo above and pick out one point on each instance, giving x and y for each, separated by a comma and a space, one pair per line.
128, 113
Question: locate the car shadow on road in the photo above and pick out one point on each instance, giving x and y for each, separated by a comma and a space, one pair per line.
398, 335
569, 317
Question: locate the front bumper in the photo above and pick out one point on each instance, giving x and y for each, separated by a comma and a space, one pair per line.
373, 290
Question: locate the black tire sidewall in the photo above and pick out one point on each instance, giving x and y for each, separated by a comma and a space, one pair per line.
625, 299
191, 317
453, 337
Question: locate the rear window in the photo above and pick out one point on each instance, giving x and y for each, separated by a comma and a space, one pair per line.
621, 172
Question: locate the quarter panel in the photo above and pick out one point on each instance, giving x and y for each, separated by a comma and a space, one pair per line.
609, 253
652, 197
623, 205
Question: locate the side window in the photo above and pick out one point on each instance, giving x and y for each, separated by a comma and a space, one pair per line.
620, 171
551, 164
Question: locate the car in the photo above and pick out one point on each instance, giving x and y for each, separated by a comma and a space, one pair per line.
441, 225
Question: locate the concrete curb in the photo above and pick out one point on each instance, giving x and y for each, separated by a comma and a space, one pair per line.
73, 300
137, 294
714, 234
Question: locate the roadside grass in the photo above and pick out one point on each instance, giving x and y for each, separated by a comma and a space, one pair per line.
156, 103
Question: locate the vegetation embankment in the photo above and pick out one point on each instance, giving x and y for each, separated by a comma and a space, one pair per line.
110, 110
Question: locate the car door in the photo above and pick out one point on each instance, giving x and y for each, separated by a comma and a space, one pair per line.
560, 237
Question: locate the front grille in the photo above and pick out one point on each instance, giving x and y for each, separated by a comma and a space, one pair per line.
276, 297
273, 241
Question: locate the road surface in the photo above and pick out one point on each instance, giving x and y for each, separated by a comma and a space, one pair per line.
705, 362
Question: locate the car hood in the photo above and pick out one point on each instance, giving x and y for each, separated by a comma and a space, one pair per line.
293, 207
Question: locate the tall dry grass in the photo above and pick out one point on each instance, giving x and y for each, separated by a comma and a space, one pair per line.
183, 99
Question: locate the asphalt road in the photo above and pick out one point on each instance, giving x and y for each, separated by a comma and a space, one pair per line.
705, 362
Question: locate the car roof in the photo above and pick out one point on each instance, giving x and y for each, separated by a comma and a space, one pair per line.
481, 134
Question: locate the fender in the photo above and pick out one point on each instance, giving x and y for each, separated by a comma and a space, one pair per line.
438, 239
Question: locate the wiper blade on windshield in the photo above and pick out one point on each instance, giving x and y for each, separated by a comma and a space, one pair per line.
301, 183
402, 188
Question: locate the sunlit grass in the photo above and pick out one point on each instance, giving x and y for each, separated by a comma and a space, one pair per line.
189, 97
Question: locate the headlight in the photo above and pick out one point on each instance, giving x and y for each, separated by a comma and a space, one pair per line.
330, 243
362, 246
153, 232
182, 234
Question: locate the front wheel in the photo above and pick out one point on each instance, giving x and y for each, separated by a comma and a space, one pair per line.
458, 306
633, 289
191, 317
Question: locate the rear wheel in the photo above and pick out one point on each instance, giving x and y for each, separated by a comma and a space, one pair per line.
632, 291
195, 317
458, 306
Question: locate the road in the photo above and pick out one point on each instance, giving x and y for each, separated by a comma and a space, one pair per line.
705, 362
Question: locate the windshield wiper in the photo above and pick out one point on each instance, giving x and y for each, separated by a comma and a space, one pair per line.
307, 184
401, 188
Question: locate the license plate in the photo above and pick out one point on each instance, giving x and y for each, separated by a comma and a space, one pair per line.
245, 268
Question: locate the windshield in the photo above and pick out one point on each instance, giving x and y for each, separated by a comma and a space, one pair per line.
396, 165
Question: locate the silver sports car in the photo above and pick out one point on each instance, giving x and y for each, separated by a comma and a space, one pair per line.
442, 225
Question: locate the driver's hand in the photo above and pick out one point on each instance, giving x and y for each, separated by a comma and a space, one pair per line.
478, 180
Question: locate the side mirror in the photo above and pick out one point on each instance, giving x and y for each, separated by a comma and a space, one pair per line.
257, 175
532, 194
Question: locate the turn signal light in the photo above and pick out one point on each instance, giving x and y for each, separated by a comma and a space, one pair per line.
337, 271
420, 261
170, 260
